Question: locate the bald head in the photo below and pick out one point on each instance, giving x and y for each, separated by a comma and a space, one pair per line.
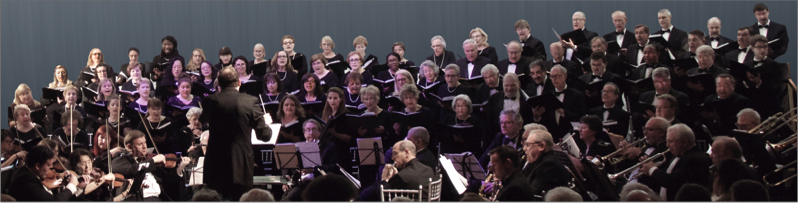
725, 147
228, 77
713, 26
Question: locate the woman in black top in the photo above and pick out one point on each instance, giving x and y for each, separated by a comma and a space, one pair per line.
101, 73
291, 115
272, 94
393, 66
160, 61
71, 134
360, 43
337, 63
208, 75
285, 71
167, 88
158, 127
192, 67
458, 142
399, 48
479, 35
311, 92
452, 86
134, 69
335, 142
189, 135
326, 77
105, 89
351, 97
428, 79
28, 133
355, 59
95, 58
245, 75
371, 97
120, 123
440, 56
259, 65
298, 60
124, 74
225, 58
24, 95
55, 112
182, 100
406, 118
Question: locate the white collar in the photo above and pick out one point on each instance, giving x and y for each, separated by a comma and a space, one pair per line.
768, 24
563, 89
670, 28
613, 106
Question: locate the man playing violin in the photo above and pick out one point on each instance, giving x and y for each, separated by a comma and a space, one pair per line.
152, 186
28, 184
90, 179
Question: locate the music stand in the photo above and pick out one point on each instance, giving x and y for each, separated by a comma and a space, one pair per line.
288, 155
468, 165
368, 147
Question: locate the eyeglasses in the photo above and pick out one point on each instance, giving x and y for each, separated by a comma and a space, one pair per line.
451, 76
287, 43
525, 144
316, 63
507, 122
437, 46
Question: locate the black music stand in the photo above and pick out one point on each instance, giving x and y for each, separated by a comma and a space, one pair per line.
368, 147
469, 166
288, 154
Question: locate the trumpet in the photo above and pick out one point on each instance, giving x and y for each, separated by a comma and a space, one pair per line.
776, 149
612, 177
775, 122
765, 177
616, 157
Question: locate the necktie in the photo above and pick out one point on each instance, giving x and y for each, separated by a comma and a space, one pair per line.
763, 26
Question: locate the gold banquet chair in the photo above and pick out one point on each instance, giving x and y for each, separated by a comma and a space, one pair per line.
414, 195
435, 189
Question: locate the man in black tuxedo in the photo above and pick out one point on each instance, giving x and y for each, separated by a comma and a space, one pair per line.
610, 111
27, 184
491, 86
515, 63
743, 53
419, 136
599, 45
540, 83
598, 64
650, 62
723, 148
557, 121
722, 118
558, 58
579, 52
504, 164
687, 165
511, 98
761, 84
634, 52
654, 131
407, 172
666, 106
541, 167
473, 62
235, 115
510, 135
536, 49
694, 40
706, 65
162, 186
771, 30
675, 37
662, 85
714, 39
621, 36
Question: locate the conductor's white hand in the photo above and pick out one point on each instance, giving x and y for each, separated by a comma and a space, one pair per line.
268, 118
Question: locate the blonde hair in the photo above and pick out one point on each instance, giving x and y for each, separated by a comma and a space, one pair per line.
407, 75
288, 66
102, 60
360, 40
191, 65
481, 32
22, 88
55, 83
328, 39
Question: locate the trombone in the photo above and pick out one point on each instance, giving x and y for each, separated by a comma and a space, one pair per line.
775, 150
616, 157
775, 122
614, 176
765, 177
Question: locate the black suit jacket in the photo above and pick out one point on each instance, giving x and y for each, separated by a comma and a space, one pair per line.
479, 62
733, 54
234, 115
583, 50
640, 71
678, 38
538, 50
521, 66
727, 112
709, 89
515, 188
612, 65
721, 40
628, 38
532, 88
495, 106
574, 69
426, 157
411, 176
26, 186
545, 173
573, 104
631, 53
692, 167
776, 31
681, 98
498, 141
616, 114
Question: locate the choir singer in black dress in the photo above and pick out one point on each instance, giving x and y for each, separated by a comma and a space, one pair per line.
440, 57
298, 60
479, 35
327, 45
159, 62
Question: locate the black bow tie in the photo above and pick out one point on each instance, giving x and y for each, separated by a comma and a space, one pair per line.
595, 76
763, 26
510, 98
700, 70
557, 93
618, 33
539, 84
713, 39
668, 30
606, 109
554, 63
743, 49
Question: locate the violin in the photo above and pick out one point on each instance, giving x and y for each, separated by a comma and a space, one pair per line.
52, 178
170, 160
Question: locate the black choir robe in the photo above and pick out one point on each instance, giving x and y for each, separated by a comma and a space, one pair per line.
478, 63
329, 80
441, 61
81, 140
376, 61
292, 129
616, 113
628, 39
490, 53
484, 92
640, 71
470, 142
574, 108
538, 49
300, 64
633, 51
368, 78
290, 81
521, 66
588, 78
775, 31
681, 98
764, 98
164, 130
339, 68
494, 108
709, 89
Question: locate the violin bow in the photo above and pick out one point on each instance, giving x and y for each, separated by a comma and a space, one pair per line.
148, 134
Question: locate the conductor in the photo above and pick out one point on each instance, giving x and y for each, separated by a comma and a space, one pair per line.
232, 116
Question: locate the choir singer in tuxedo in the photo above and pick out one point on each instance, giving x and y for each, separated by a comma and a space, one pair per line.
771, 30
620, 35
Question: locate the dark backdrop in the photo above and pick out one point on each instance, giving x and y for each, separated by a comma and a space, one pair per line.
38, 35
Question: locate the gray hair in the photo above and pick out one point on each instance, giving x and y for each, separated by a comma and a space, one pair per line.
661, 122
489, 67
535, 126
581, 14
750, 114
513, 114
559, 68
684, 133
614, 86
464, 98
516, 43
661, 72
438, 37
193, 111
20, 107
618, 12
454, 67
408, 89
370, 90
420, 133
562, 194
705, 49
542, 136
713, 19
257, 195
666, 12
431, 65
559, 46
630, 187
470, 41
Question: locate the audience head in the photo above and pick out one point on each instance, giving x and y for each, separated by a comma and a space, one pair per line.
330, 187
693, 193
257, 195
206, 194
562, 194
638, 192
749, 190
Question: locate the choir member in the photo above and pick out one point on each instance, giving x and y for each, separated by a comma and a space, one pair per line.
393, 67
134, 70
272, 88
439, 54
105, 89
621, 36
479, 35
510, 135
612, 112
760, 84
124, 74
23, 95
298, 60
116, 120
541, 167
409, 95
728, 104
168, 85
675, 37
311, 91
27, 185
771, 30
706, 57
514, 63
327, 45
511, 98
225, 58
356, 61
101, 73
558, 58
470, 142
335, 141
158, 127
634, 52
399, 48
402, 77
193, 66
491, 86
288, 75
24, 129
157, 178
71, 135
319, 67
81, 163
429, 75
56, 111
353, 82
666, 106
183, 99
143, 90
743, 53
452, 86
599, 45
360, 43
208, 74
161, 61
371, 97
579, 52
687, 165
505, 164
95, 59
291, 115
60, 78
523, 30
650, 61
558, 120
593, 140
473, 62
598, 64
662, 85
259, 52
714, 39
191, 133
541, 83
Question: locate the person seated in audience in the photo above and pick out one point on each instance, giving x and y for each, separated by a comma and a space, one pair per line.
356, 61
407, 172
541, 83
420, 138
471, 142
472, 62
693, 192
666, 107
523, 29
749, 190
541, 168
514, 63
399, 48
225, 58
558, 120
728, 172
298, 60
183, 99
620, 35
558, 58
161, 61
479, 36
257, 195
743, 53
714, 39
505, 162
452, 86
598, 66
311, 91
721, 119
637, 192
611, 110
27, 184
71, 134
24, 96
491, 86
318, 63
761, 85
428, 76
281, 65
206, 194
24, 129
593, 140
440, 56
331, 187
158, 179
687, 165
511, 133
562, 194
360, 43
290, 114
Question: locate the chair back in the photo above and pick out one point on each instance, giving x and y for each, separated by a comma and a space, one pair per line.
435, 189
390, 194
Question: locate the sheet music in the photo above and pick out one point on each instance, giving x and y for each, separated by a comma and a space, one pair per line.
311, 156
196, 173
468, 157
454, 177
366, 151
285, 155
351, 178
275, 132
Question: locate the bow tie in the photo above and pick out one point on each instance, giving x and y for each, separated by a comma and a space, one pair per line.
595, 76
668, 30
763, 26
606, 109
510, 98
713, 39
471, 62
539, 84
618, 33
557, 93
703, 70
743, 49
554, 63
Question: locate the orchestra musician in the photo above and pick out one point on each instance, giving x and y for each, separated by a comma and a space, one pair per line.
685, 163
407, 172
505, 166
81, 162
103, 139
11, 150
655, 132
593, 140
190, 134
541, 167
28, 185
153, 187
